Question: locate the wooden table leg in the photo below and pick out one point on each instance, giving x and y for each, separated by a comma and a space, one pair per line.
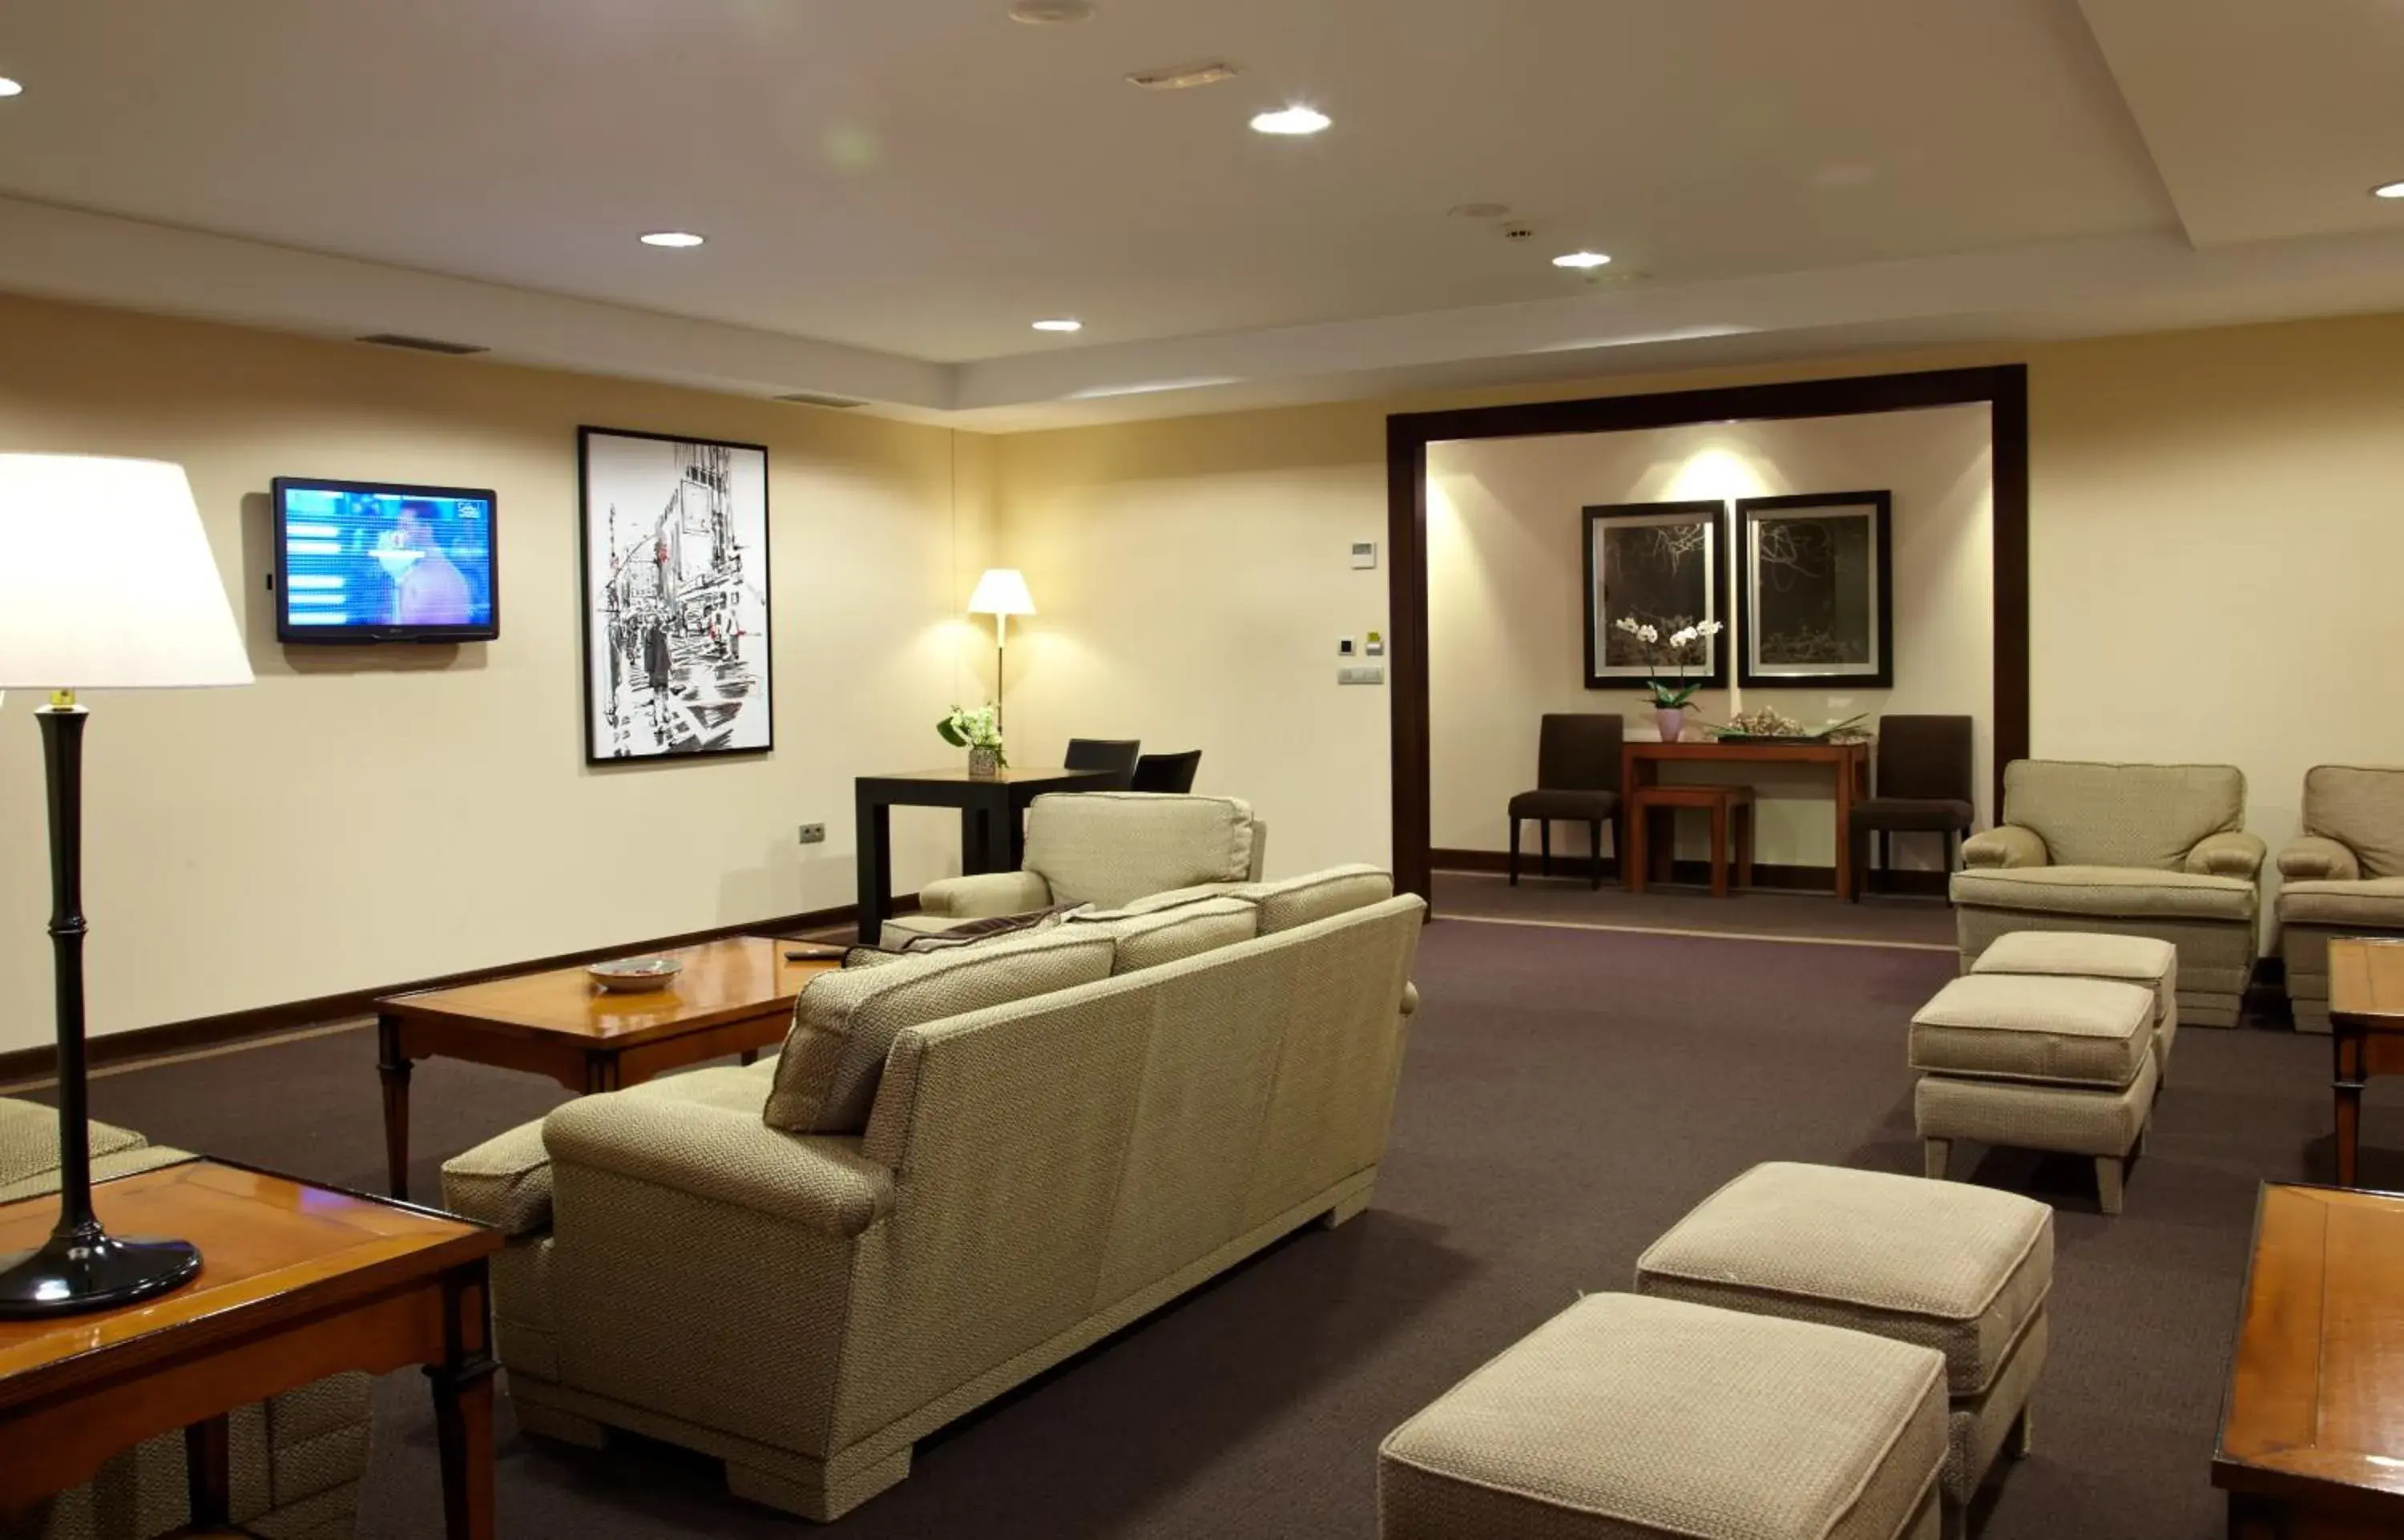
1720, 849
875, 819
1744, 837
1637, 856
2346, 1085
208, 1473
393, 1067
1001, 836
747, 1057
1845, 876
463, 1408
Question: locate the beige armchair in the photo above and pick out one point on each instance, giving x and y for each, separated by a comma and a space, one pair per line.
2130, 849
2344, 877
1107, 848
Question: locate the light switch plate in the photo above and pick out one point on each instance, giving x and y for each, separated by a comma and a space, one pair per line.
1360, 673
1365, 553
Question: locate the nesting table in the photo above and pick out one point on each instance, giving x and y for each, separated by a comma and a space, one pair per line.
1639, 769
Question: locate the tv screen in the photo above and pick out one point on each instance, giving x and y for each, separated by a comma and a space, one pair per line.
366, 562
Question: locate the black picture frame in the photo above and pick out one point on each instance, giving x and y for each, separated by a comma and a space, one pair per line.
1755, 517
692, 734
1710, 516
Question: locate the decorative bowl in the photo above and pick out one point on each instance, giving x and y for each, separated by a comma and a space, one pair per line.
633, 975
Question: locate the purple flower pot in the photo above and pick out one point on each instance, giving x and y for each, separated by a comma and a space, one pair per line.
1672, 721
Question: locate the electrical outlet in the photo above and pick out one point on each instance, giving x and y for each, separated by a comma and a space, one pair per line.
814, 833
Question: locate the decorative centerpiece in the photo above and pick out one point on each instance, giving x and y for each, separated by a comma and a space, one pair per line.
1768, 724
1686, 647
978, 730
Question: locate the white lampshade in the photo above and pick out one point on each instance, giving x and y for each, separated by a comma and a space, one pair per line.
1002, 591
106, 581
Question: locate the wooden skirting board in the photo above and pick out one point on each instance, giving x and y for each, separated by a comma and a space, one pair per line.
1802, 879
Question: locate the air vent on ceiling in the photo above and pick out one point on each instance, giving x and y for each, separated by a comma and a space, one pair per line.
422, 344
811, 397
1185, 76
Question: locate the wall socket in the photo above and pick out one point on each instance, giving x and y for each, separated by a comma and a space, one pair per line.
814, 833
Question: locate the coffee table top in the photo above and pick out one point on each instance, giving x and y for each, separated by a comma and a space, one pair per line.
2367, 983
270, 1246
2318, 1371
736, 979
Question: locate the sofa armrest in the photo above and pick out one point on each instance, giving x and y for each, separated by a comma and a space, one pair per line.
2230, 853
2316, 858
505, 1181
987, 895
817, 1181
2005, 844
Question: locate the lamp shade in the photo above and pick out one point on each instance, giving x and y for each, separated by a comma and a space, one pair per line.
1002, 591
106, 581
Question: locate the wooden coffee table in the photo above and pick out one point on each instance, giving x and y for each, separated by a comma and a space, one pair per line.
733, 997
297, 1283
2309, 1447
2366, 1032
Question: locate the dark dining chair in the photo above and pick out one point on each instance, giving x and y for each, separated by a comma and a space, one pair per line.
1923, 786
1169, 773
1577, 781
1116, 755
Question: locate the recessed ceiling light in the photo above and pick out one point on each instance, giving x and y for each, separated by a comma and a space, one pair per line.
1060, 324
672, 238
1581, 260
2392, 190
1290, 121
10, 88
1050, 13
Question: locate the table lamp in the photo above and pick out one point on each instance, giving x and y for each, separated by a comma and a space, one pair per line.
105, 584
1001, 593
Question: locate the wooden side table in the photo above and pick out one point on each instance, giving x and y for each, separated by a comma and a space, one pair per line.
2366, 1033
1848, 763
297, 1283
991, 810
1731, 811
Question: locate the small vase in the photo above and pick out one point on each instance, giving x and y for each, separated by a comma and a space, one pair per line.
1672, 721
984, 763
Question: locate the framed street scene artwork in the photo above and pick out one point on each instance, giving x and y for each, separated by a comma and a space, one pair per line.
1658, 565
1812, 601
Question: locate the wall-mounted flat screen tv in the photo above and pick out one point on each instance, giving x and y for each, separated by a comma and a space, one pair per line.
373, 562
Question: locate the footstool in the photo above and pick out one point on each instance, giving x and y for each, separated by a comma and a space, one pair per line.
2141, 961
2060, 1064
1964, 1271
1625, 1416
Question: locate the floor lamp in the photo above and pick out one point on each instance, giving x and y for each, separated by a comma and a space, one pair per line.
1001, 593
106, 582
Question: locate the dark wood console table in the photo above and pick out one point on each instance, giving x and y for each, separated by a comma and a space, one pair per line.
991, 814
1640, 764
2366, 1032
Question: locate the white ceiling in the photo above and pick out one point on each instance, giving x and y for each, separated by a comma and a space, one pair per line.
892, 191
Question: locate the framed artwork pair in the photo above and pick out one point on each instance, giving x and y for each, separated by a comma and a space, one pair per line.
1810, 575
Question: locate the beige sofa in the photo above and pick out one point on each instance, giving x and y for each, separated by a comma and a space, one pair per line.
1107, 848
297, 1457
2345, 878
963, 1169
2130, 849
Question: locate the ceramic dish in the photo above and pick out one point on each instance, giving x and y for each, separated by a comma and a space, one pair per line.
631, 975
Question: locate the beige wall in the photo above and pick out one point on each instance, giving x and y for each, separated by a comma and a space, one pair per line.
1506, 581
362, 817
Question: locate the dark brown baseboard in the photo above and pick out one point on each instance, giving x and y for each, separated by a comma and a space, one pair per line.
1801, 879
183, 1037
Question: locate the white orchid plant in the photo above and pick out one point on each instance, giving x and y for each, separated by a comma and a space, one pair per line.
973, 727
1683, 645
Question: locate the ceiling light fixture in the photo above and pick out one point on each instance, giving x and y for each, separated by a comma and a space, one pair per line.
10, 88
2392, 190
1050, 13
1061, 324
1183, 77
1581, 260
672, 238
1290, 121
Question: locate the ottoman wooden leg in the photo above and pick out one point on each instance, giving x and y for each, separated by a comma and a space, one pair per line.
2109, 1170
1935, 1154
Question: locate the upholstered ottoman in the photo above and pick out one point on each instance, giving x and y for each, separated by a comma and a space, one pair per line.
2141, 961
1964, 1271
2060, 1064
1625, 1417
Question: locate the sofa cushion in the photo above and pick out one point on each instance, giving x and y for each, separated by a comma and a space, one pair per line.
2075, 1031
1320, 895
825, 1080
2122, 815
2362, 808
1626, 1416
2109, 892
1947, 1266
1108, 848
1151, 937
2375, 903
2144, 960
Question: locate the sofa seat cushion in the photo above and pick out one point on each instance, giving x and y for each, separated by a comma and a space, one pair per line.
1148, 938
845, 1023
2068, 1031
2109, 892
1950, 1267
2377, 902
1567, 807
2143, 960
1110, 848
1626, 1416
1294, 901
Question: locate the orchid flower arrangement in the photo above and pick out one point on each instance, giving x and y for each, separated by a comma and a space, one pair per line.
973, 727
1679, 649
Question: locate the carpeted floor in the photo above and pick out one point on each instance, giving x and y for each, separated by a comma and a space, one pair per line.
1569, 1095
1568, 900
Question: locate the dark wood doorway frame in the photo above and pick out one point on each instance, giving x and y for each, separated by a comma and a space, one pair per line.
2002, 387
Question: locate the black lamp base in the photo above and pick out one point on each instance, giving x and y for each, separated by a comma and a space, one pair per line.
89, 1269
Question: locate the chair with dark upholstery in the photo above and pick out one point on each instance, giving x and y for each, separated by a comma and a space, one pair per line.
1169, 773
1924, 787
1117, 755
1577, 781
